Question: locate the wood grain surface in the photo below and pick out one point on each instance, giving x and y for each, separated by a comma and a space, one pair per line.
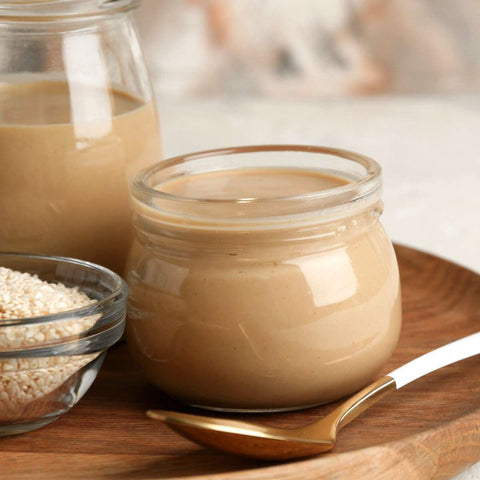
428, 430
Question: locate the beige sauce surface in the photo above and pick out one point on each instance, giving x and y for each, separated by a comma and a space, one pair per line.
251, 183
262, 320
65, 163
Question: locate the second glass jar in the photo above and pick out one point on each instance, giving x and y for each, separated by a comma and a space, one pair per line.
77, 120
261, 277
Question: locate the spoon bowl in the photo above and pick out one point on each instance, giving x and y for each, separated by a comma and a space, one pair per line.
243, 438
269, 443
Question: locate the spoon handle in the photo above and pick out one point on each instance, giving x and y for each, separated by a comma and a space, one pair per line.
441, 357
452, 352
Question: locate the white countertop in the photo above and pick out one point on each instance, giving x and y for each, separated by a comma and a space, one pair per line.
428, 147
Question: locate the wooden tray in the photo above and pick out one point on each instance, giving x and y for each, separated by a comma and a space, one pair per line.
428, 430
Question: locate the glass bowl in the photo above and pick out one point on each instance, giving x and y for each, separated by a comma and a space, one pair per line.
47, 363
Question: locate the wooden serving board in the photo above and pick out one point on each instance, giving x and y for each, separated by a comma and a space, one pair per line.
428, 430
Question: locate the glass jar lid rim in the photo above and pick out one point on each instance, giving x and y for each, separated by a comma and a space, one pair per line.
38, 10
369, 183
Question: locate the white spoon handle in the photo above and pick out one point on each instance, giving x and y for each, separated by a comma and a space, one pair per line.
441, 357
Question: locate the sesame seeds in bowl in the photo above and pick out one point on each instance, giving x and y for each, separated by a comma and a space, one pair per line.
58, 317
23, 296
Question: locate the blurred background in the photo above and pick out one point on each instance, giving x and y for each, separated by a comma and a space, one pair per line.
397, 80
311, 48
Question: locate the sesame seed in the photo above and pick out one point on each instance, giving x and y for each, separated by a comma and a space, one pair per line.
26, 381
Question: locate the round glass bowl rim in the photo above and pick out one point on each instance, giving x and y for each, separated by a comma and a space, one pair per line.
31, 10
120, 291
369, 183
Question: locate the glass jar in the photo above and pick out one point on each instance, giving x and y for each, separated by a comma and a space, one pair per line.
77, 119
250, 292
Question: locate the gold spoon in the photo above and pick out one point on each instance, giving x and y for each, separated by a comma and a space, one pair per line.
269, 443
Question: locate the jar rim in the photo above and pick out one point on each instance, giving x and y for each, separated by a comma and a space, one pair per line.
61, 10
370, 181
361, 191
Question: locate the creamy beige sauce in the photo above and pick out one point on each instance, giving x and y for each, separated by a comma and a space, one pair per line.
66, 154
251, 183
262, 320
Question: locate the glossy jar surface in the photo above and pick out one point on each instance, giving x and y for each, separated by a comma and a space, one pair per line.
77, 120
243, 298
